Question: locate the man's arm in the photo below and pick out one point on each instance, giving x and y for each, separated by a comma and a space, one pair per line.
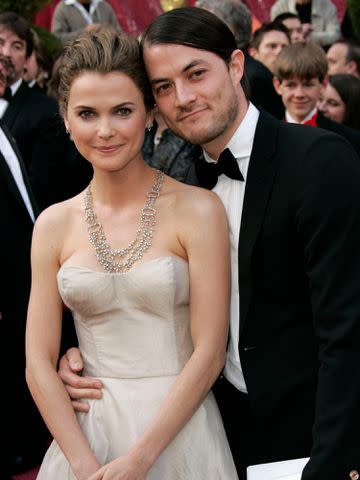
78, 387
329, 224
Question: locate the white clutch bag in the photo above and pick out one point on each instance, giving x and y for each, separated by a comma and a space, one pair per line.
285, 470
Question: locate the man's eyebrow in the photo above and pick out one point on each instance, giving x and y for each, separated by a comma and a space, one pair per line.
187, 67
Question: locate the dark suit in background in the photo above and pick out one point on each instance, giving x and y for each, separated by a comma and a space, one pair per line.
24, 434
262, 91
56, 171
351, 135
299, 282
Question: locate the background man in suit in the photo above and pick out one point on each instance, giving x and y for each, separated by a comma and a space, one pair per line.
344, 57
293, 194
22, 429
34, 121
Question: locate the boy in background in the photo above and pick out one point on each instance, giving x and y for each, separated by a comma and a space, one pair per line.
300, 76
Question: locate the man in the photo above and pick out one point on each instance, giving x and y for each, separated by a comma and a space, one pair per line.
33, 119
290, 386
267, 42
22, 427
72, 16
344, 57
318, 17
293, 24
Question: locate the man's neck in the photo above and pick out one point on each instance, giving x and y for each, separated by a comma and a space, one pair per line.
216, 146
296, 119
15, 85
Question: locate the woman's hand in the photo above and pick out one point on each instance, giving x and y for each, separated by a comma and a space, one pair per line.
123, 468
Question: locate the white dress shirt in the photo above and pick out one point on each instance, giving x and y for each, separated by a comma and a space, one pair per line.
291, 119
232, 193
88, 15
4, 103
14, 166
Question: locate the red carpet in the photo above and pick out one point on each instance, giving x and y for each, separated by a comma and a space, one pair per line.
31, 475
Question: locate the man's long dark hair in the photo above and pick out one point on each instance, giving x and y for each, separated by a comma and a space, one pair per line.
193, 27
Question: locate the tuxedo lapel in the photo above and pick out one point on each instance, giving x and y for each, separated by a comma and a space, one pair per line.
260, 177
10, 181
14, 107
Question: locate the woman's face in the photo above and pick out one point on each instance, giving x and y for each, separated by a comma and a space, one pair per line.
106, 118
331, 104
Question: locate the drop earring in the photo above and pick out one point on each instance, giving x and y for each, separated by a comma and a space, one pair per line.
69, 133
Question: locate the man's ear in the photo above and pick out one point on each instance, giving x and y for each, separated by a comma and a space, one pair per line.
351, 67
253, 52
277, 85
325, 82
236, 66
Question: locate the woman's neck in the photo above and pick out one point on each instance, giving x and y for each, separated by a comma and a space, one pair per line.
126, 186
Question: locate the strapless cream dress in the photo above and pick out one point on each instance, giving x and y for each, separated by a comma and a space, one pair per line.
134, 335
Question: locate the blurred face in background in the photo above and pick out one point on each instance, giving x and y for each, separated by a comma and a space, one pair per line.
336, 57
299, 96
4, 72
331, 104
271, 45
31, 68
14, 49
295, 28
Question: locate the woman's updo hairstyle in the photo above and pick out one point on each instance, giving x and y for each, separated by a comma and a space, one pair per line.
103, 51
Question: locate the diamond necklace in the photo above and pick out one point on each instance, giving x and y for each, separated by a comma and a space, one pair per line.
108, 258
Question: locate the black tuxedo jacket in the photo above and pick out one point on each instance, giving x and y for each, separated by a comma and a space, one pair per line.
56, 171
21, 425
299, 281
262, 92
352, 135
27, 113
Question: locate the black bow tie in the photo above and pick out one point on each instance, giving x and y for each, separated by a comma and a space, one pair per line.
208, 173
7, 94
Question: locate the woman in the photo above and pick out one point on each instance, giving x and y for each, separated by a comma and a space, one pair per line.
341, 100
129, 286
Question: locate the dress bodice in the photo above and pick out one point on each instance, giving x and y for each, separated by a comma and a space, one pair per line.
133, 324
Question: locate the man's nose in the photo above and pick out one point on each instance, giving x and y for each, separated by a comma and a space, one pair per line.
5, 50
184, 95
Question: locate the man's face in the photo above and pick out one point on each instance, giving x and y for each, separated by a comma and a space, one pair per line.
299, 96
14, 49
197, 93
271, 45
336, 57
295, 29
5, 72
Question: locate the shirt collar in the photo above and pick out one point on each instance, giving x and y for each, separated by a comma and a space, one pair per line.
242, 141
15, 86
72, 2
291, 119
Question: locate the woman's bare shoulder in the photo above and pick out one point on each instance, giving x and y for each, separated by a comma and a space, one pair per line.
199, 200
57, 218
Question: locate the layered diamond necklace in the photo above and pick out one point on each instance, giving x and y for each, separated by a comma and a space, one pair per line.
122, 259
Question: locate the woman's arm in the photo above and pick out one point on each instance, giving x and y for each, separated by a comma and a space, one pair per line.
203, 234
43, 333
